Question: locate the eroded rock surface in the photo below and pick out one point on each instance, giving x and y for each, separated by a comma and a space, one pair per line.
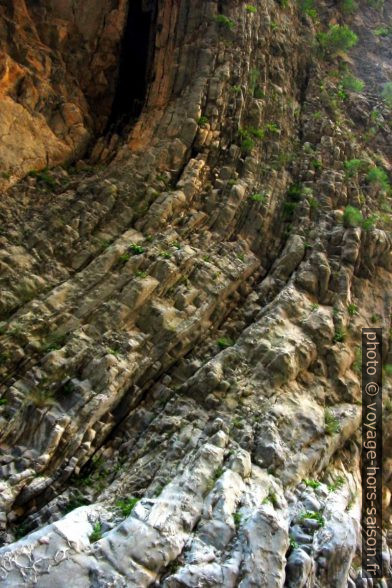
182, 311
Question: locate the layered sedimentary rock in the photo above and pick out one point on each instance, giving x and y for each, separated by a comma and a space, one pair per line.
182, 309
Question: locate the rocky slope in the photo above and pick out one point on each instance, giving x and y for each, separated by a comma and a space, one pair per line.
182, 298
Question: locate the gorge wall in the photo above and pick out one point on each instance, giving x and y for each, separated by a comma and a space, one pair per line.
195, 226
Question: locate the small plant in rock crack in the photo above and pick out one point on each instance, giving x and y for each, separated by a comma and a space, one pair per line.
348, 6
44, 177
337, 38
136, 249
127, 505
314, 306
336, 485
352, 84
378, 177
311, 483
340, 335
250, 8
96, 534
331, 423
352, 309
307, 7
165, 254
225, 22
315, 516
237, 517
271, 498
272, 128
352, 217
202, 121
293, 544
53, 343
258, 197
387, 94
224, 342
353, 166
218, 473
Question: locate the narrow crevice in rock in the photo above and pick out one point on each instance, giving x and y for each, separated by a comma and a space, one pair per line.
134, 66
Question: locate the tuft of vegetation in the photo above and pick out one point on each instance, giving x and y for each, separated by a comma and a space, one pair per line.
352, 217
387, 93
271, 498
352, 309
311, 483
353, 167
237, 519
331, 423
337, 38
337, 484
308, 7
352, 84
225, 22
378, 177
258, 197
136, 249
44, 177
225, 342
348, 6
127, 505
202, 121
250, 8
293, 543
96, 534
383, 31
315, 516
340, 335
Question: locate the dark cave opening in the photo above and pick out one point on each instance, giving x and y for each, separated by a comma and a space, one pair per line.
134, 73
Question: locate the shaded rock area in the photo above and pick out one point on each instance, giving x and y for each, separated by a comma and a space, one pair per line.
183, 291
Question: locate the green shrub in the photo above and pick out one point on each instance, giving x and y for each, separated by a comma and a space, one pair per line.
250, 8
202, 121
311, 483
127, 505
136, 249
225, 22
348, 6
337, 484
387, 93
225, 342
44, 177
308, 7
353, 166
316, 516
237, 519
340, 335
331, 423
383, 31
352, 309
352, 217
352, 84
272, 128
337, 38
271, 498
379, 177
96, 534
369, 222
258, 197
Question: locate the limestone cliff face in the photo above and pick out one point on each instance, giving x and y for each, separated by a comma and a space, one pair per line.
182, 294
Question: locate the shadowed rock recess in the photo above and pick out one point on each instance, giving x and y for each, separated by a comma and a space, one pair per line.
195, 224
